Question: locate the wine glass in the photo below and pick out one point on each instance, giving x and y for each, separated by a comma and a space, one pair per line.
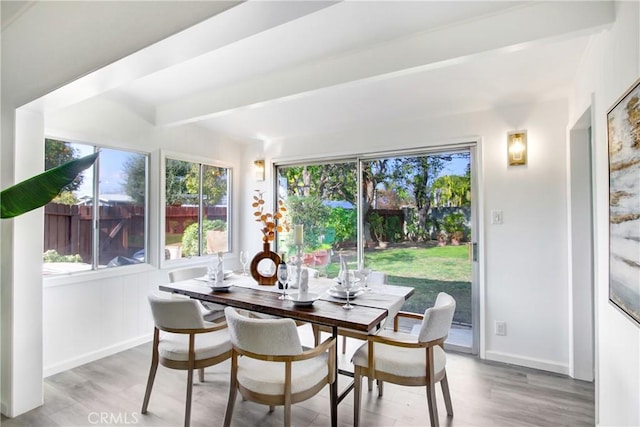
364, 277
283, 277
244, 260
348, 283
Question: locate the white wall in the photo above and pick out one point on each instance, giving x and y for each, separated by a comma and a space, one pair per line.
611, 65
526, 257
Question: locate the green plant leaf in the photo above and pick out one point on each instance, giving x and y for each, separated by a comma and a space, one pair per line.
39, 190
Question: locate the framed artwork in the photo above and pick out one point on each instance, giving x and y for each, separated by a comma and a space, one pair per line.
623, 135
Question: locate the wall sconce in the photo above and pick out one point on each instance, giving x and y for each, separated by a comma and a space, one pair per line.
258, 167
517, 147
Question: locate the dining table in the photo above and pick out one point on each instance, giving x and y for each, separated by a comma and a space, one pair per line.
371, 306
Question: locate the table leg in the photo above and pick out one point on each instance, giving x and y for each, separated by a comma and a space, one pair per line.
333, 388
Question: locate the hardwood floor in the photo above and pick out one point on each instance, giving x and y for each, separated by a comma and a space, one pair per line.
110, 391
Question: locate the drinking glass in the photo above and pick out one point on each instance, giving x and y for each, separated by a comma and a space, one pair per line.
348, 283
283, 277
364, 278
244, 260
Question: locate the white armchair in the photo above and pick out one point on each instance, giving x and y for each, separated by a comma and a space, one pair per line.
183, 340
402, 359
274, 368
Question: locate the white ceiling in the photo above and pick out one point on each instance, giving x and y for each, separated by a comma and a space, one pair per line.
357, 63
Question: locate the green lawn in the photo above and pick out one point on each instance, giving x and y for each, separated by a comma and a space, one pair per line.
427, 269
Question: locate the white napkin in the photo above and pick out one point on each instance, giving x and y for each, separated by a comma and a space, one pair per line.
219, 270
304, 281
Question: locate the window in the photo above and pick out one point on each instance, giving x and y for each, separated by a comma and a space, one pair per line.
112, 194
196, 208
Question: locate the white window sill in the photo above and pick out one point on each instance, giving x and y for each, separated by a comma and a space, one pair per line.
92, 275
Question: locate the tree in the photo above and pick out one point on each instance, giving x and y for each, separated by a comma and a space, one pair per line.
335, 181
451, 190
182, 184
176, 172
134, 186
214, 183
56, 153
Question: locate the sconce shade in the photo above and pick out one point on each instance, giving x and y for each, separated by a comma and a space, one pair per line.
259, 169
517, 148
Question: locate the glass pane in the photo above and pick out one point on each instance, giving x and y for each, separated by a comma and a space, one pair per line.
323, 199
417, 227
121, 212
215, 198
68, 241
181, 210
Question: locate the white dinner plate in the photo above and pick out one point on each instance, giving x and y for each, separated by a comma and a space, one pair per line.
340, 291
304, 298
224, 286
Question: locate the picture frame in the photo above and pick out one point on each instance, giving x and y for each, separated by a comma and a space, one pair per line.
623, 137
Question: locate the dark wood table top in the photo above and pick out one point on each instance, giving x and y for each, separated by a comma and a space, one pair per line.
322, 312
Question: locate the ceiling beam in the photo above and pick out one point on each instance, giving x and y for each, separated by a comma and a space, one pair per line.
239, 22
514, 28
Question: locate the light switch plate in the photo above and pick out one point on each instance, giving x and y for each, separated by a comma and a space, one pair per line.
496, 217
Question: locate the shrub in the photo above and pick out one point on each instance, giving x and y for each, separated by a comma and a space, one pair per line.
190, 236
393, 229
343, 221
53, 256
454, 223
376, 224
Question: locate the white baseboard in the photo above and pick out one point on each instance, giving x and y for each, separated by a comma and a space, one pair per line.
95, 355
529, 362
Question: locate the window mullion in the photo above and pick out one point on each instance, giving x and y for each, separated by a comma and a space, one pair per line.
96, 213
200, 210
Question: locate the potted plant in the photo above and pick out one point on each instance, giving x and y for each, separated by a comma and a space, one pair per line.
39, 190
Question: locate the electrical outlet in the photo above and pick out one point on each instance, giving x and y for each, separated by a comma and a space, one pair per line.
501, 328
496, 217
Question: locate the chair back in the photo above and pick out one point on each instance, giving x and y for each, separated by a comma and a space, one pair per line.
272, 337
437, 319
175, 313
187, 273
377, 278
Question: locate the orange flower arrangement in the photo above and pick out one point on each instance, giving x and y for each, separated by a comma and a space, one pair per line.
270, 221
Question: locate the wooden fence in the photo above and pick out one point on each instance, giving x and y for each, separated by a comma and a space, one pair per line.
67, 229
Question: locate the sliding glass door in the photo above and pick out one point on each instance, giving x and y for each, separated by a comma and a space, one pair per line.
408, 216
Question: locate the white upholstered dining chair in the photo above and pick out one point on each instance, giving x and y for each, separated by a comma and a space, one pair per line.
403, 359
183, 340
210, 311
269, 365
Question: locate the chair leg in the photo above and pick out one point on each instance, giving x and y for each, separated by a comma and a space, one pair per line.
287, 415
233, 390
187, 409
444, 383
152, 377
272, 408
344, 344
152, 371
431, 403
201, 375
380, 387
357, 394
370, 384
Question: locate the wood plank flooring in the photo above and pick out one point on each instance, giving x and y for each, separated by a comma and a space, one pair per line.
110, 391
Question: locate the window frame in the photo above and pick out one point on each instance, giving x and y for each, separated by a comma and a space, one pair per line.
202, 161
95, 217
